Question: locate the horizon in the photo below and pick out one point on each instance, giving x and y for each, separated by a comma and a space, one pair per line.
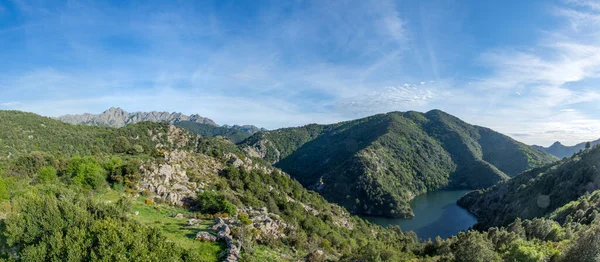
524, 69
301, 125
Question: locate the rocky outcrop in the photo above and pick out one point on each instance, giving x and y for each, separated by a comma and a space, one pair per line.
268, 225
179, 178
205, 237
261, 149
223, 230
247, 163
117, 117
316, 256
250, 129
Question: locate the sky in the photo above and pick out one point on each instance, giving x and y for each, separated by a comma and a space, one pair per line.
529, 69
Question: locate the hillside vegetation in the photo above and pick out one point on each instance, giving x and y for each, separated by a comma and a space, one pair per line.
234, 135
376, 165
537, 192
120, 203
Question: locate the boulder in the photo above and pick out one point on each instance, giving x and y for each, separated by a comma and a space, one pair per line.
316, 256
193, 222
205, 237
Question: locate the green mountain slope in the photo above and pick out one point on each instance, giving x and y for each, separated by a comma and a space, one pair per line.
61, 201
234, 135
270, 216
375, 165
537, 192
26, 132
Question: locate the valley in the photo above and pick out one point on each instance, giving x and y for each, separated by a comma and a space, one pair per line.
436, 214
289, 194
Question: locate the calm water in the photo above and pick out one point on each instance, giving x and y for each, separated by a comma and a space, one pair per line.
436, 213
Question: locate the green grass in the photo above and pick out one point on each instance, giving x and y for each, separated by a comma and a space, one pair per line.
175, 229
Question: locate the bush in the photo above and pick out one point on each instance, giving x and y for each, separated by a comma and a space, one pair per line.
86, 172
211, 202
47, 174
3, 187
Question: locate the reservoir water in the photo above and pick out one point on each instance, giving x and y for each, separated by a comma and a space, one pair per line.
436, 213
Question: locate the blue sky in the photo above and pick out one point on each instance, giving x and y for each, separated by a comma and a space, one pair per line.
528, 69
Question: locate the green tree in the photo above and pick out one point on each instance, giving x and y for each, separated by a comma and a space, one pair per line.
473, 246
3, 187
588, 145
47, 174
586, 248
121, 145
86, 172
212, 202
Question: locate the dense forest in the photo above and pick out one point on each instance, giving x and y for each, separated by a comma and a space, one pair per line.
375, 165
538, 192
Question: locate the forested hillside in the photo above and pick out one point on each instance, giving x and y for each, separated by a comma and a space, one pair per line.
235, 135
191, 198
375, 165
537, 192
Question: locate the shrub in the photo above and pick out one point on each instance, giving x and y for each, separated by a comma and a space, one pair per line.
211, 202
47, 174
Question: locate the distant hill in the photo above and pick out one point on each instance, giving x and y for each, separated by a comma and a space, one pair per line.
250, 129
234, 134
537, 192
24, 133
117, 117
560, 150
375, 165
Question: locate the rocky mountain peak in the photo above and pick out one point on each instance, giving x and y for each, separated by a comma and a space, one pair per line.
117, 117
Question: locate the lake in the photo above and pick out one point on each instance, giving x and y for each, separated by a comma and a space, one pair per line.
436, 213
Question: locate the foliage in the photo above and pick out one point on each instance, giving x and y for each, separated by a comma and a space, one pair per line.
68, 227
537, 192
234, 135
47, 174
375, 165
86, 172
57, 208
23, 133
212, 202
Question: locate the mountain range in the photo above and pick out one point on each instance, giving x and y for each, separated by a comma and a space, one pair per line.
117, 117
376, 165
559, 150
158, 192
537, 192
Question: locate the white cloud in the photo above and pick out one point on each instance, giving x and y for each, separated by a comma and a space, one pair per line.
10, 104
391, 98
537, 89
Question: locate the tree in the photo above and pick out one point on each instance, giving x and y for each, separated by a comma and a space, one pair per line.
47, 174
585, 248
122, 145
3, 187
473, 246
588, 145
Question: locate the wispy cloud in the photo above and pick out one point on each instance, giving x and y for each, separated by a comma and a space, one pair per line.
9, 104
393, 98
549, 80
287, 63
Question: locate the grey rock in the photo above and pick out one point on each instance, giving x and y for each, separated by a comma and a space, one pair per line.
193, 222
205, 237
117, 117
316, 256
250, 129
